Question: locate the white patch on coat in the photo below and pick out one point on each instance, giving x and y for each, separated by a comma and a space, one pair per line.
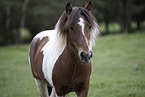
81, 23
51, 51
42, 88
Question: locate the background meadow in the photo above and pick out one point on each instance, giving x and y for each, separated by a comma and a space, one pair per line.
118, 68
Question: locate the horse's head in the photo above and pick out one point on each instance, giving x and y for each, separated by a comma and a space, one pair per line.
81, 27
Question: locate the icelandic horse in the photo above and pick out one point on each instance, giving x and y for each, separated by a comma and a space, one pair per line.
60, 59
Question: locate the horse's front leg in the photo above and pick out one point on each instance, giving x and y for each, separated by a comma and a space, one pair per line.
42, 87
83, 93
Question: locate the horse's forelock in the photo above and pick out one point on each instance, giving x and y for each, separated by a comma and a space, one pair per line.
66, 21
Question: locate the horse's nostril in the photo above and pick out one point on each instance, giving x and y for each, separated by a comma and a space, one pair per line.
82, 54
91, 54
85, 57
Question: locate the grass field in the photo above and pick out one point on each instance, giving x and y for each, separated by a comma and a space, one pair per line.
118, 68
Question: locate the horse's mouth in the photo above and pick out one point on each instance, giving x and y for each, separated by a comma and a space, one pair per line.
85, 61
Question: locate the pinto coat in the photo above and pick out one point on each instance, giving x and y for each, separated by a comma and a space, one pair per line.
60, 59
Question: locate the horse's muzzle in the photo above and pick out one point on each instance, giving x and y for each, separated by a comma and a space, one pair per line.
85, 57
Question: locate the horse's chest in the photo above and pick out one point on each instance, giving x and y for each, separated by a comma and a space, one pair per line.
72, 80
66, 88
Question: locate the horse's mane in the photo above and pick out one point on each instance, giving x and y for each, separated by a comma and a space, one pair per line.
65, 22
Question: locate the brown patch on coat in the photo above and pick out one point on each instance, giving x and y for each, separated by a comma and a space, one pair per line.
70, 74
36, 58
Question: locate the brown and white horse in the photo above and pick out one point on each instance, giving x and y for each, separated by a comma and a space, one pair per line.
60, 58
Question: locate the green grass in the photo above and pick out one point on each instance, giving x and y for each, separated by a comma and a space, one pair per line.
15, 75
118, 68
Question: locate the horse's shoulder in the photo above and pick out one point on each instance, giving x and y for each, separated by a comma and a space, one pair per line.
37, 44
35, 54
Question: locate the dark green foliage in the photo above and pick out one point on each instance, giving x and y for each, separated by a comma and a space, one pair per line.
43, 14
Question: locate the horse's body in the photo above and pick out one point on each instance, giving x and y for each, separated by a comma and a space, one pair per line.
60, 58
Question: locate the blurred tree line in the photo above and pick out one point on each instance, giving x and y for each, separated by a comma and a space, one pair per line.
38, 15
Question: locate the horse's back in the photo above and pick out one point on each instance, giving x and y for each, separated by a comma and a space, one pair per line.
45, 49
35, 53
38, 42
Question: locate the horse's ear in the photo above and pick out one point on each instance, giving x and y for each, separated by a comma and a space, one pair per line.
68, 8
89, 6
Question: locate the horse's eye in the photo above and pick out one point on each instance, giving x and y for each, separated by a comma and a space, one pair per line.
90, 27
72, 28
